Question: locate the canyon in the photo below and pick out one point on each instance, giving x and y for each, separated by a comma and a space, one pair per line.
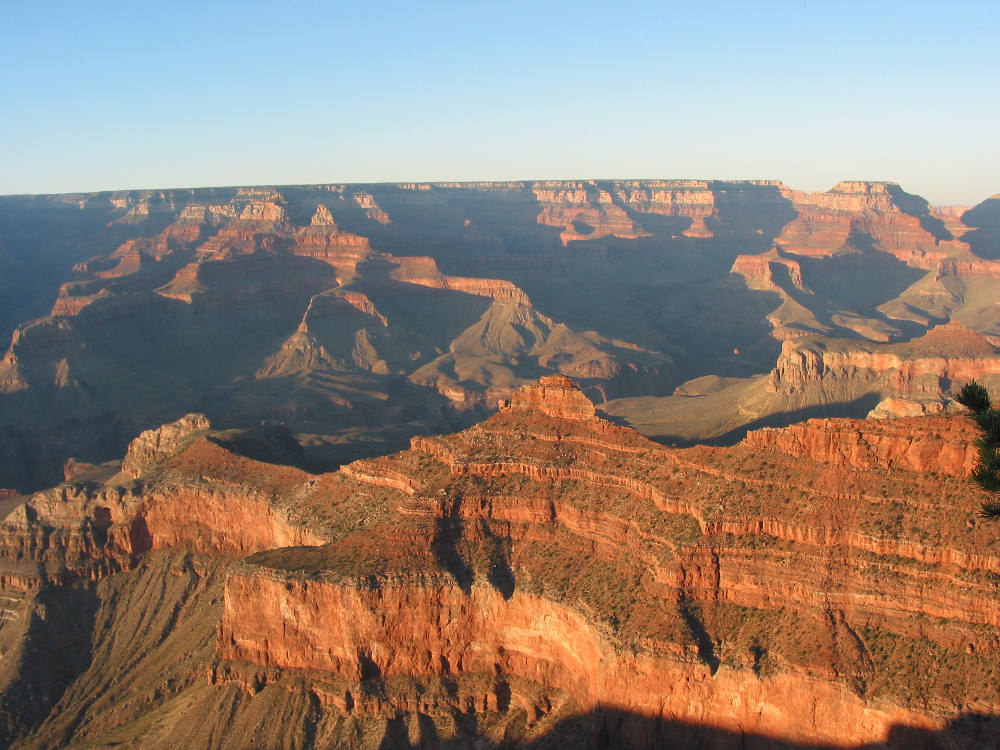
596, 463
543, 577
362, 315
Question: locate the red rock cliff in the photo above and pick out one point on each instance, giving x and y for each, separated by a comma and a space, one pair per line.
558, 550
943, 445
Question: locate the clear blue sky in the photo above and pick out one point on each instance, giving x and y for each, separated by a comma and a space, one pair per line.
99, 96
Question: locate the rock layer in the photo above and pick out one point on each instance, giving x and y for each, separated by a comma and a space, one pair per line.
924, 444
711, 533
548, 564
154, 445
926, 368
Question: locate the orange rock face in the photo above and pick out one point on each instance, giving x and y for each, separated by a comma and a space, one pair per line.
372, 210
832, 221
205, 499
324, 240
583, 211
926, 366
485, 564
154, 445
554, 396
309, 625
548, 564
424, 272
686, 199
759, 270
940, 445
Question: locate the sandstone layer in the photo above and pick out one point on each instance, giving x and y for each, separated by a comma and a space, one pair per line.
927, 368
565, 551
545, 572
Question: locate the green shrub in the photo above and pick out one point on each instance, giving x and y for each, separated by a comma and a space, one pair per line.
974, 397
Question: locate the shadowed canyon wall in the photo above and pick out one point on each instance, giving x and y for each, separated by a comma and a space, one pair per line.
362, 315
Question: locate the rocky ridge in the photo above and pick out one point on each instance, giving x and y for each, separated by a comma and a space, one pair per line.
921, 371
941, 445
546, 563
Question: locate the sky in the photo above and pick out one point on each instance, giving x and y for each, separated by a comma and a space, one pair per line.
107, 96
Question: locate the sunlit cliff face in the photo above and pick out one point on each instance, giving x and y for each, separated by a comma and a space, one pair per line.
541, 566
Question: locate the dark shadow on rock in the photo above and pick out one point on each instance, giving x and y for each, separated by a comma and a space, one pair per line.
139, 536
428, 732
613, 418
466, 722
658, 224
857, 409
43, 237
966, 732
169, 357
459, 226
605, 729
33, 452
271, 443
372, 682
396, 735
984, 237
437, 315
752, 214
57, 648
503, 693
852, 282
916, 206
500, 574
448, 533
610, 729
706, 647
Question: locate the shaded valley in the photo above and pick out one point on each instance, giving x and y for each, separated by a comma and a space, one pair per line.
360, 315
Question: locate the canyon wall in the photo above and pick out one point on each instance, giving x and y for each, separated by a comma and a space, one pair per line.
615, 274
713, 532
547, 565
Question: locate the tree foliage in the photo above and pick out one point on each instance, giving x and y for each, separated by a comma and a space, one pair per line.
990, 510
974, 397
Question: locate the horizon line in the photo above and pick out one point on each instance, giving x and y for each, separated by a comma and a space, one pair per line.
762, 181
